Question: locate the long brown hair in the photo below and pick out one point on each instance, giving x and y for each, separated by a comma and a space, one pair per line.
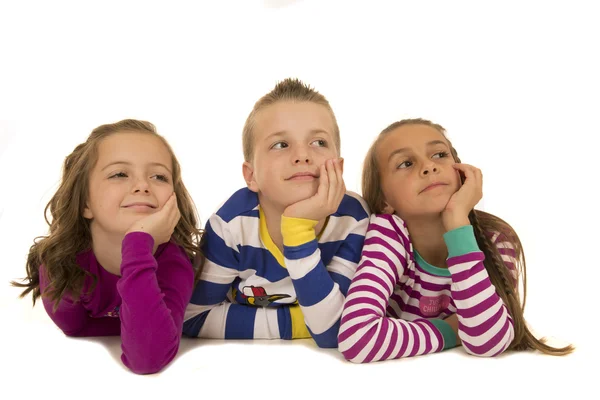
486, 227
69, 232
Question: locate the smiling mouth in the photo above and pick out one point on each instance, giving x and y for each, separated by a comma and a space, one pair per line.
302, 177
432, 186
140, 206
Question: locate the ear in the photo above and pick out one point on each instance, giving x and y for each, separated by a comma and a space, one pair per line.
87, 212
387, 209
341, 163
249, 177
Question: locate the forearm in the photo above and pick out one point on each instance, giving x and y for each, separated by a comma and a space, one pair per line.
485, 326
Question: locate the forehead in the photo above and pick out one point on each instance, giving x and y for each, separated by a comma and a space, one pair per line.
292, 117
413, 137
133, 147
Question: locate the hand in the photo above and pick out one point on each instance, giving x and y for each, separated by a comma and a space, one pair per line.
161, 224
456, 213
453, 322
329, 194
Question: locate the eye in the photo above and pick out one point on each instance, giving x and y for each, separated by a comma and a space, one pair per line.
118, 175
404, 164
441, 154
161, 177
319, 143
279, 145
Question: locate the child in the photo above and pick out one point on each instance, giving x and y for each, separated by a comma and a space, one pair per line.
117, 258
401, 305
285, 247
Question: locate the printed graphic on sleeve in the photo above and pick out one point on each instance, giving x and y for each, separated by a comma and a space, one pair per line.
257, 296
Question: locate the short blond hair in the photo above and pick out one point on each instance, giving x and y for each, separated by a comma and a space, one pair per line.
290, 89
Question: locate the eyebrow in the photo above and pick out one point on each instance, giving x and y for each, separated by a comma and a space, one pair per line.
128, 163
281, 133
406, 149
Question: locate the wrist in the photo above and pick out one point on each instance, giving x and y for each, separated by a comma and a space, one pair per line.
454, 222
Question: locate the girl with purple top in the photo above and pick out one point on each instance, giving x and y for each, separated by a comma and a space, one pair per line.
434, 272
117, 258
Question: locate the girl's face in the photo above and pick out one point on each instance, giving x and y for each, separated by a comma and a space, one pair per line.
417, 178
131, 179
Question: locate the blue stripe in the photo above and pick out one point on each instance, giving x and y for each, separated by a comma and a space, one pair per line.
242, 201
352, 248
284, 320
240, 322
192, 326
314, 286
342, 281
329, 338
351, 207
299, 252
208, 293
263, 262
217, 251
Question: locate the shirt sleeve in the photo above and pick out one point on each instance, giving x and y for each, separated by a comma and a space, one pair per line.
154, 293
72, 317
484, 324
366, 333
320, 288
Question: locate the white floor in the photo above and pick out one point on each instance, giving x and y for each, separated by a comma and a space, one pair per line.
38, 359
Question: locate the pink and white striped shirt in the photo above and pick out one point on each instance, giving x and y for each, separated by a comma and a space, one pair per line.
397, 302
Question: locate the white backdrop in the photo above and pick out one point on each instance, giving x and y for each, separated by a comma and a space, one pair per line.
516, 86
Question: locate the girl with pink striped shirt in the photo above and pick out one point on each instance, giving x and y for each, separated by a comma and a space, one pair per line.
434, 272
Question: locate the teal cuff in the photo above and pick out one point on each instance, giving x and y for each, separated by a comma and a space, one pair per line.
446, 331
461, 241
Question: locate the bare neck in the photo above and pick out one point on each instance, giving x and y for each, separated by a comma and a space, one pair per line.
427, 236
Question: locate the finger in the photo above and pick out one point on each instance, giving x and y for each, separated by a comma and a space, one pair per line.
333, 182
323, 183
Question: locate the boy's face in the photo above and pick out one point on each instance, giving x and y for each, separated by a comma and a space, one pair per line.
291, 141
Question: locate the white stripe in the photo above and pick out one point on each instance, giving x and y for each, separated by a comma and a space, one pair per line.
300, 268
214, 325
321, 316
215, 273
193, 309
343, 267
266, 324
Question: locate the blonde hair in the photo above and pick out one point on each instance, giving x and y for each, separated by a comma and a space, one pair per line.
70, 232
485, 226
290, 89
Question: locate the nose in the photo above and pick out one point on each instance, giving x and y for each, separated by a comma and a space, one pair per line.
430, 169
301, 156
141, 186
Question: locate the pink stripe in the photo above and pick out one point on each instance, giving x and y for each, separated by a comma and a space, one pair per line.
467, 274
366, 288
471, 291
479, 308
465, 258
379, 341
391, 345
483, 326
490, 344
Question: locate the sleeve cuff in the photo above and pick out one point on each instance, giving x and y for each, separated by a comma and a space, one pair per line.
461, 241
297, 231
446, 331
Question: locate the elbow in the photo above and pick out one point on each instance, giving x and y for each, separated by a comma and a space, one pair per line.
145, 366
326, 343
